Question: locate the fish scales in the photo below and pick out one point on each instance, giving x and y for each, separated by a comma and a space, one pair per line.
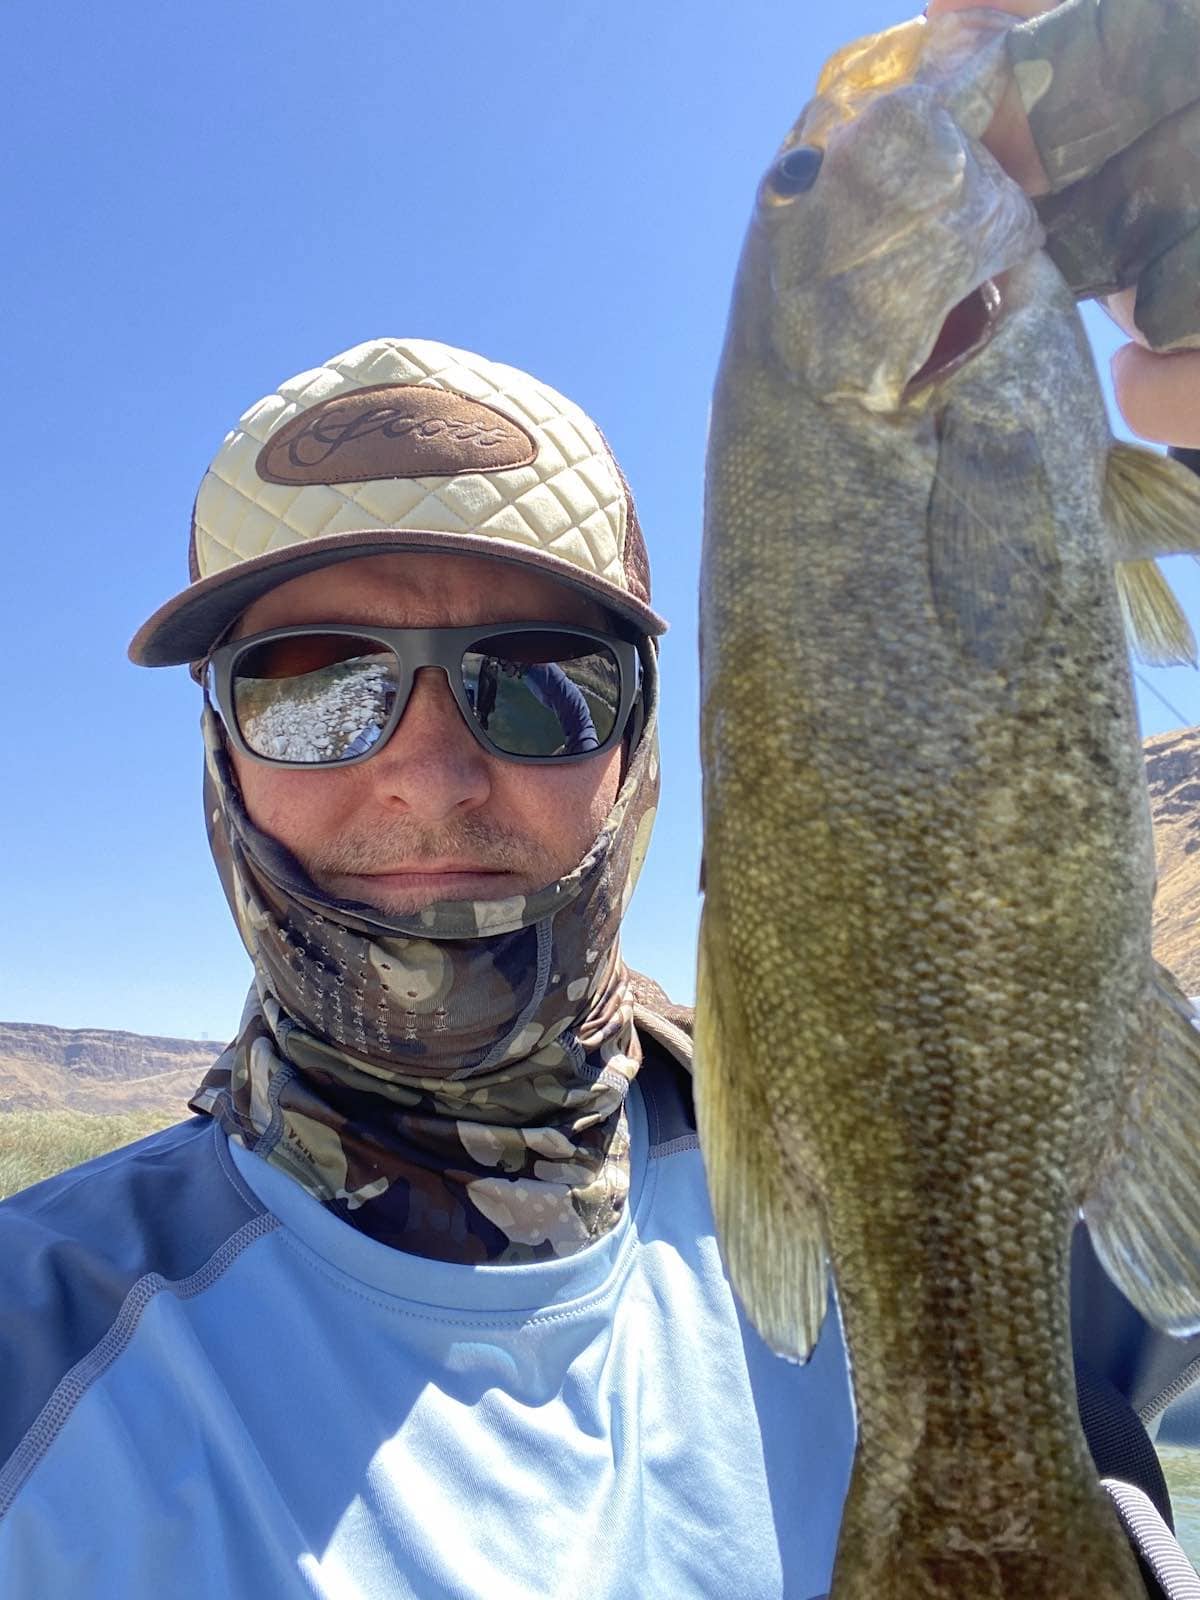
926, 999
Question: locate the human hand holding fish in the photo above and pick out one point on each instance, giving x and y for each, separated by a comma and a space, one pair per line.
929, 1027
1158, 391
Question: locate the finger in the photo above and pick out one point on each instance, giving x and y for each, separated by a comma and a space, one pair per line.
1016, 8
1120, 308
1168, 295
1159, 395
1008, 135
1136, 221
1095, 75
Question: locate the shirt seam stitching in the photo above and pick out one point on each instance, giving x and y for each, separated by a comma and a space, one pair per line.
68, 1188
72, 1388
674, 1147
343, 1278
455, 1316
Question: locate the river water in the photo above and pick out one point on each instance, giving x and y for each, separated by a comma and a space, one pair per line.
1181, 1467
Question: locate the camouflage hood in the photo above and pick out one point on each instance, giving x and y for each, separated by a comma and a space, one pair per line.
452, 1083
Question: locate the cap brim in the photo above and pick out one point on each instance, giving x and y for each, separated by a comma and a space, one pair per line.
187, 626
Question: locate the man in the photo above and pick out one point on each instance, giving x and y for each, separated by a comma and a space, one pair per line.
425, 1300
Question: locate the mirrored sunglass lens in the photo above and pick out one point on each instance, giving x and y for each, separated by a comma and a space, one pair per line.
313, 696
543, 694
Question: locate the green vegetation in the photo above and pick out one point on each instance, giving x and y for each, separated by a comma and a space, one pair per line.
37, 1144
1181, 1468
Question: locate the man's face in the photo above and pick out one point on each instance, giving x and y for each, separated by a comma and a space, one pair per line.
432, 815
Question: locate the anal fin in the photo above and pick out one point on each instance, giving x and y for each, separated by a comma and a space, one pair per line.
1144, 1218
768, 1223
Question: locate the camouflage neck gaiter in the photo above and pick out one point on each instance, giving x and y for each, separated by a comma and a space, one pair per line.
453, 1083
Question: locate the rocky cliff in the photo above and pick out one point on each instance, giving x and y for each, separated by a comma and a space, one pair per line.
93, 1069
1173, 779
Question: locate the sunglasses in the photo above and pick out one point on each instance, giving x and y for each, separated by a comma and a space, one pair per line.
330, 696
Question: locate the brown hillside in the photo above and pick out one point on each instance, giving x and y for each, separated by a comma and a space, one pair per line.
96, 1070
1173, 779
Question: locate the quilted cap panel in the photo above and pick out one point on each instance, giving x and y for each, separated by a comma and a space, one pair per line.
568, 511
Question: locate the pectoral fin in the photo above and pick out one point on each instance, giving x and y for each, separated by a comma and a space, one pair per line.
1153, 507
768, 1224
1154, 504
1144, 1217
993, 560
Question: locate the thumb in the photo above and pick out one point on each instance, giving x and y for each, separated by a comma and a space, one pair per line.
1008, 135
1159, 395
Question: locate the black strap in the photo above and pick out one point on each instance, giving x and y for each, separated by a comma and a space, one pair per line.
1117, 1438
1122, 1449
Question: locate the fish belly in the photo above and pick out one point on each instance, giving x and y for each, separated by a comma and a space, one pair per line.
927, 899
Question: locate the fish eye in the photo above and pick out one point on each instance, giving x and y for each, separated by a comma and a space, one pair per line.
794, 172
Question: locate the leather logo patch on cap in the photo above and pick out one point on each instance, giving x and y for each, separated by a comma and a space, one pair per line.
393, 430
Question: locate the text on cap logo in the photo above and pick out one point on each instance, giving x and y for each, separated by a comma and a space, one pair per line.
394, 430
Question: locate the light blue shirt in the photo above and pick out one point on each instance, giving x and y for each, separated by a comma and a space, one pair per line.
217, 1389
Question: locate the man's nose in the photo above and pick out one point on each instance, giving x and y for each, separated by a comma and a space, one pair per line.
432, 765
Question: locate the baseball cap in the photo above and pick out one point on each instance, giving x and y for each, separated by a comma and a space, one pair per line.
403, 444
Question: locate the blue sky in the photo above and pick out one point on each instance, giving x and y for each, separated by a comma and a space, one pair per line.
203, 200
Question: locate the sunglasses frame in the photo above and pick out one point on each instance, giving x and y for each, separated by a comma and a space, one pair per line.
414, 648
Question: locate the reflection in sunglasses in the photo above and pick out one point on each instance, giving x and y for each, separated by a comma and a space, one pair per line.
558, 694
328, 715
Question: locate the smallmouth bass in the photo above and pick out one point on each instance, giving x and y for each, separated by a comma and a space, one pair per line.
929, 1027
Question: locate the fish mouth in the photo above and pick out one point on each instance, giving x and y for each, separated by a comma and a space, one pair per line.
967, 328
